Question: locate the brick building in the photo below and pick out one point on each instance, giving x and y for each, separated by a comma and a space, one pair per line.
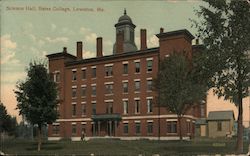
112, 95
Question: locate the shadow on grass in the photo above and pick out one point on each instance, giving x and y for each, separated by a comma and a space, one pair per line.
45, 146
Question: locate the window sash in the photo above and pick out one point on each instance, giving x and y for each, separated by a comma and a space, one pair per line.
171, 126
125, 68
137, 67
125, 107
73, 75
125, 128
149, 65
137, 128
125, 87
150, 127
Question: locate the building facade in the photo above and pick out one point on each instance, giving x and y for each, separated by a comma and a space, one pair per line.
113, 96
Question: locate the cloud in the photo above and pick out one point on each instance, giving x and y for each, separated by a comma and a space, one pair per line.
37, 41
153, 41
57, 39
84, 30
88, 54
91, 38
8, 50
67, 31
27, 28
12, 77
53, 27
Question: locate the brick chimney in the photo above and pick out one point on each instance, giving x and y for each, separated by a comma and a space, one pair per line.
119, 43
143, 39
99, 47
64, 49
161, 30
79, 50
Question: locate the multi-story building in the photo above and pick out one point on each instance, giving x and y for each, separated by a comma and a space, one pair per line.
113, 95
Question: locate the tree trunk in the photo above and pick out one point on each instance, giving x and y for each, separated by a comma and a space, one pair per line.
179, 126
240, 109
39, 138
240, 129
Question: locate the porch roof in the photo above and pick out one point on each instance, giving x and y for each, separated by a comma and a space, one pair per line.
101, 117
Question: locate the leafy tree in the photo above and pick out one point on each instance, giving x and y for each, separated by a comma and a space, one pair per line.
37, 97
225, 31
176, 86
7, 123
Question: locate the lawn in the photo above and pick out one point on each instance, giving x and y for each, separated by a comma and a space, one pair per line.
118, 147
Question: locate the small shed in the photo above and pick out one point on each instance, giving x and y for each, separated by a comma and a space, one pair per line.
221, 124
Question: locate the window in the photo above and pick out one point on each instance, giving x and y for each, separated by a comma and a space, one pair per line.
137, 86
138, 128
137, 106
58, 109
125, 107
125, 87
125, 128
108, 70
73, 129
109, 107
83, 73
57, 76
93, 90
109, 89
125, 68
83, 109
83, 129
74, 75
188, 126
74, 92
149, 105
74, 109
93, 72
149, 65
93, 108
83, 91
219, 126
149, 85
150, 127
137, 67
171, 126
202, 110
55, 129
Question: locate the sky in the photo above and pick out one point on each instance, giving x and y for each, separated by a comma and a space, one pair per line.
31, 29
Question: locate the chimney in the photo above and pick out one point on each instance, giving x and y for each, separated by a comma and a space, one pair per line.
143, 39
79, 50
197, 41
119, 43
99, 47
161, 30
64, 49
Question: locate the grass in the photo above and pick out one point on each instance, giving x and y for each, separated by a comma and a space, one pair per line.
118, 147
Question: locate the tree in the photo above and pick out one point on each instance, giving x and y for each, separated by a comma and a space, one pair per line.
225, 31
37, 97
176, 86
7, 123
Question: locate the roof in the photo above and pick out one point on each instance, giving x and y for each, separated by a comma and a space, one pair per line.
125, 20
99, 117
174, 33
112, 57
201, 121
61, 54
221, 115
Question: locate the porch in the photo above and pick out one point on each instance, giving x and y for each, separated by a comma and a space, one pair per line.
105, 124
